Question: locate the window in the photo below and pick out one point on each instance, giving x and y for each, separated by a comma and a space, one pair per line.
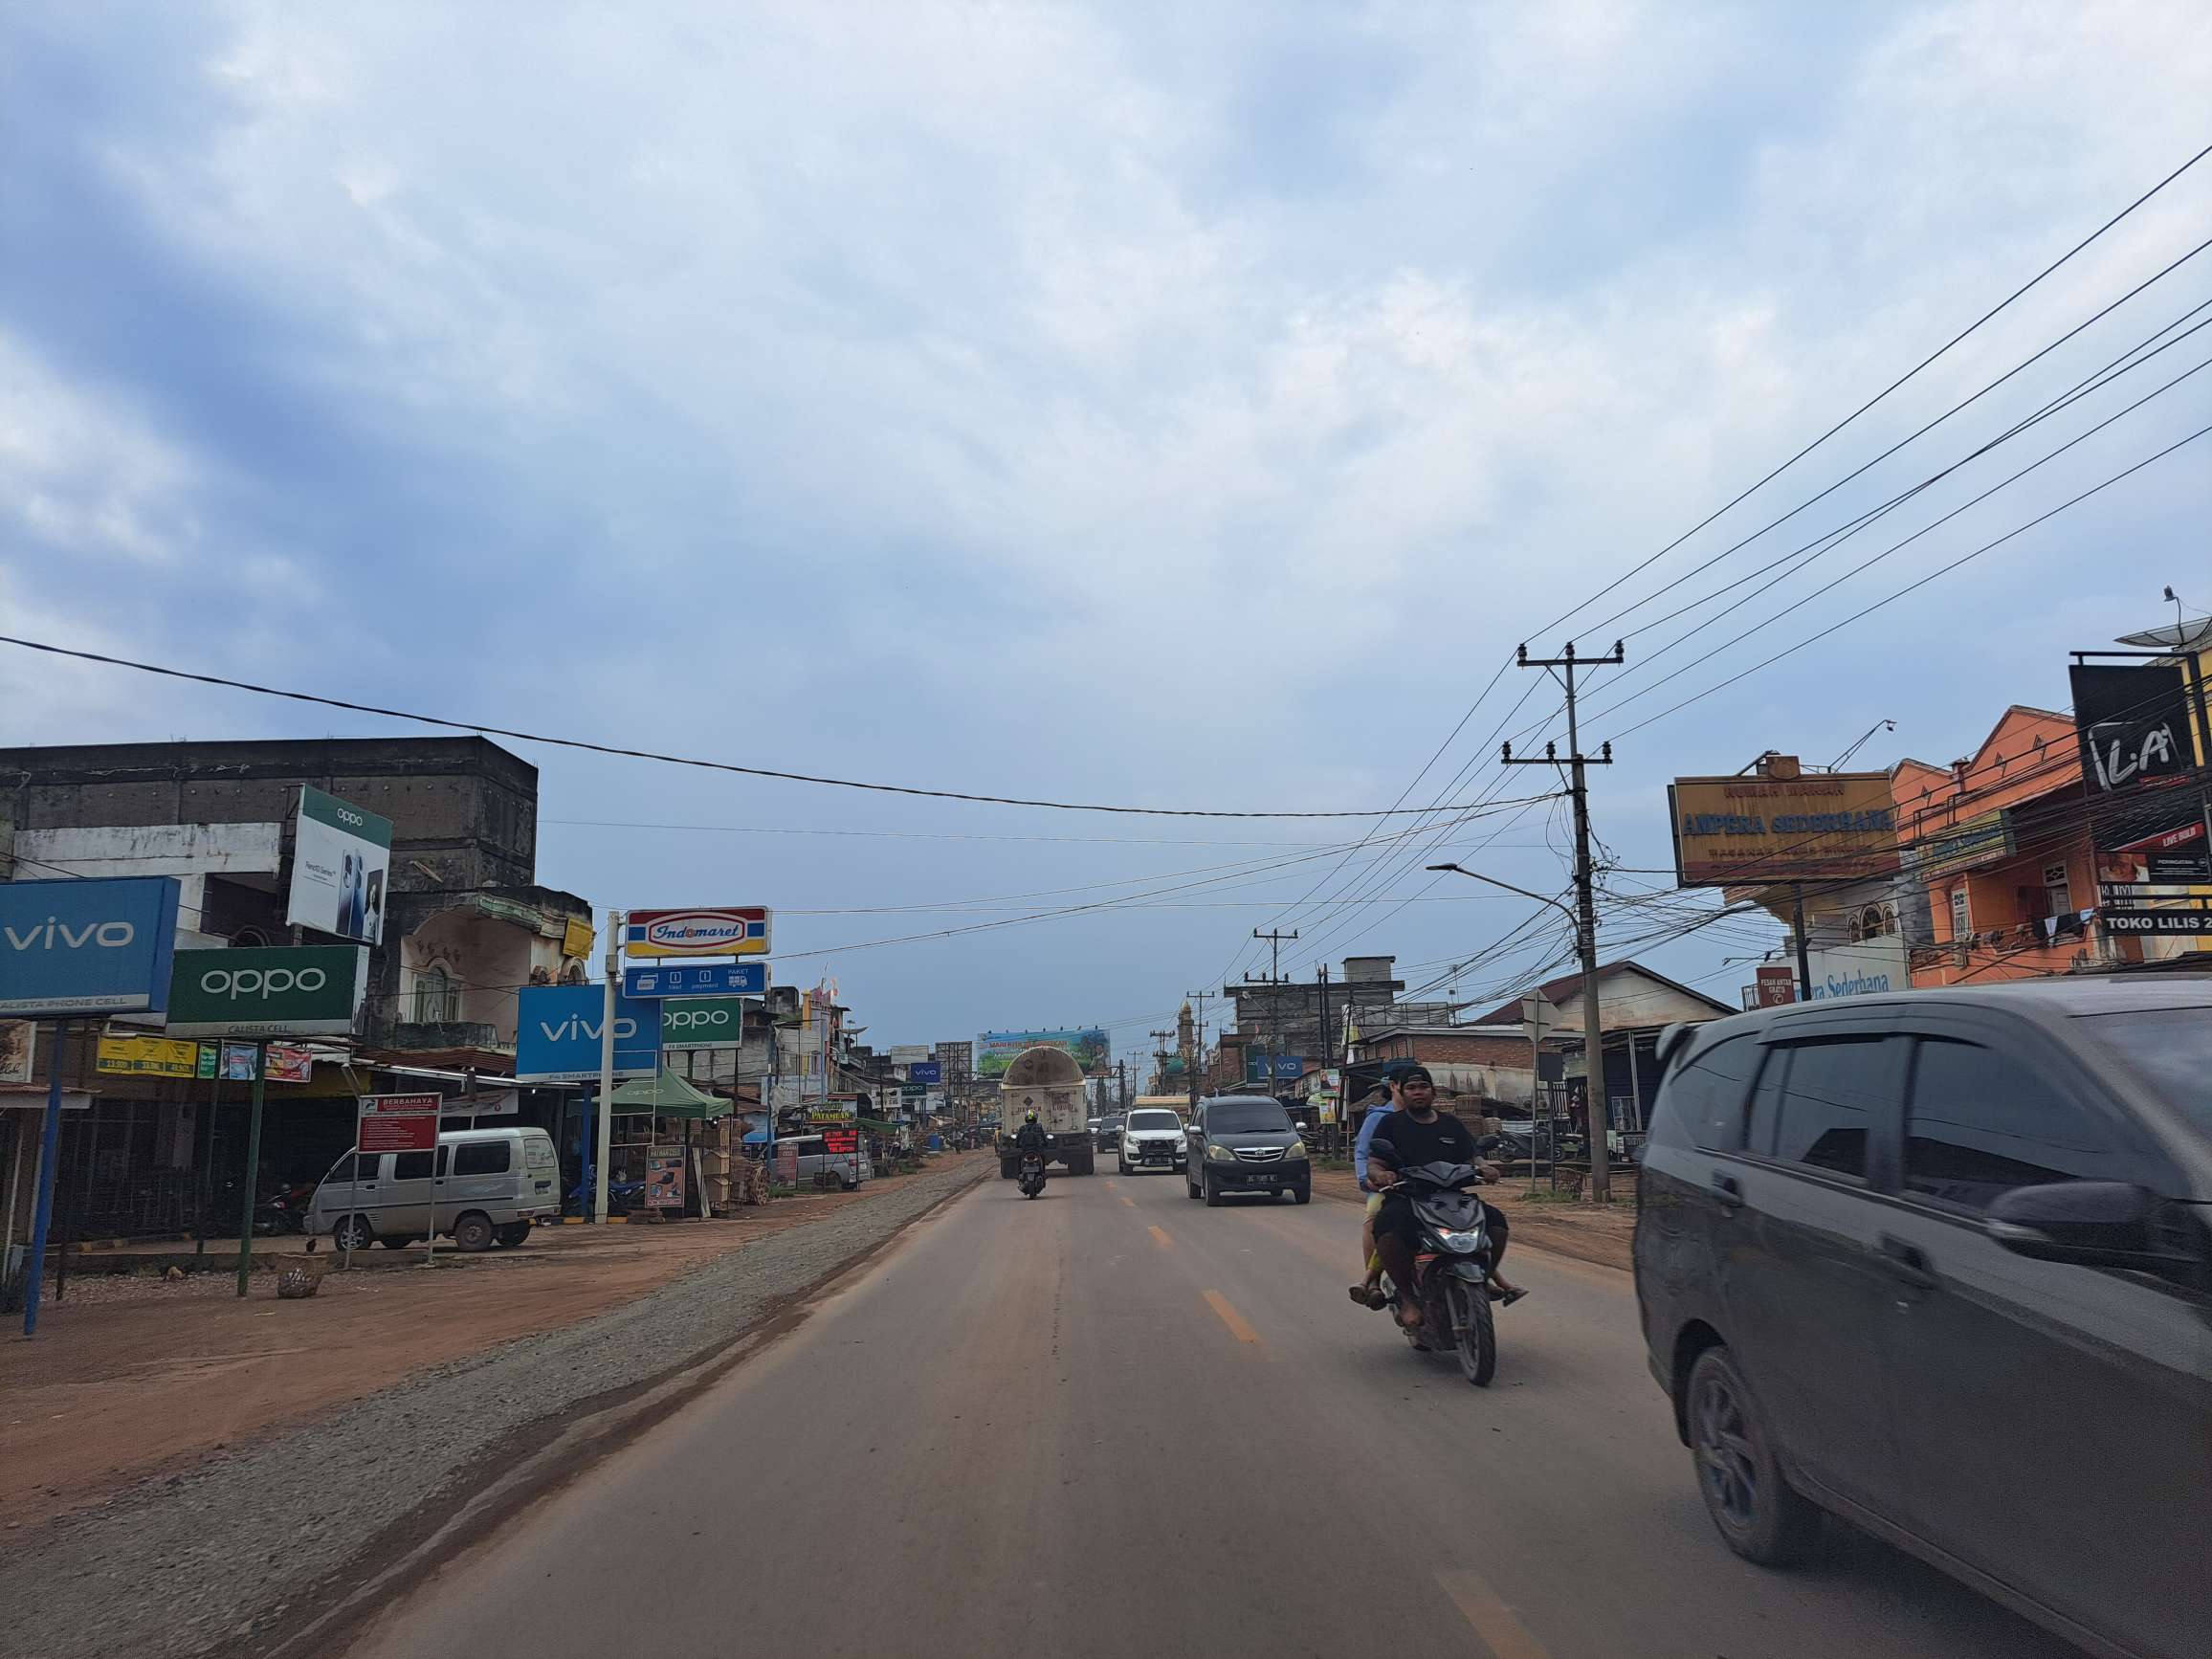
437, 1001
1155, 1120
2057, 893
1961, 914
343, 1173
1707, 1092
410, 1166
1831, 1098
2170, 1049
1244, 1118
480, 1157
1982, 1124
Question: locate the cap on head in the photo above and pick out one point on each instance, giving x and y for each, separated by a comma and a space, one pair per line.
1028, 1117
1413, 1074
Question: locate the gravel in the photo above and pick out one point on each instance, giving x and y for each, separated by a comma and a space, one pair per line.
175, 1567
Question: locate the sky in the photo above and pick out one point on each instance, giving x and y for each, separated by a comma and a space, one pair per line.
1147, 404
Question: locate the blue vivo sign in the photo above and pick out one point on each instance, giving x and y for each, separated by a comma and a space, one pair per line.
90, 947
743, 978
925, 1072
557, 1034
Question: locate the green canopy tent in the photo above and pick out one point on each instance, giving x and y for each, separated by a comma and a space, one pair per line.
665, 1094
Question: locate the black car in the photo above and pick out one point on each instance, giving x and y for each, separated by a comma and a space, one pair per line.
1245, 1143
1940, 1263
1109, 1134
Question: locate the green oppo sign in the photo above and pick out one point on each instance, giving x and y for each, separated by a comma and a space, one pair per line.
701, 1022
309, 991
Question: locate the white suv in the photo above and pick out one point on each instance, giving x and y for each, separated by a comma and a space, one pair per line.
1151, 1140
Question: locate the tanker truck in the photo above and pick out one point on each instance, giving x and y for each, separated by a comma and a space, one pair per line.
1049, 1082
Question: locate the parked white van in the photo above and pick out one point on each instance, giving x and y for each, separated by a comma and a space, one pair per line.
483, 1186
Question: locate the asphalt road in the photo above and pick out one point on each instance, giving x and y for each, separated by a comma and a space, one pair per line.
1114, 1422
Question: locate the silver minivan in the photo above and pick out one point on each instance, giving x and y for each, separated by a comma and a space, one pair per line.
849, 1169
483, 1186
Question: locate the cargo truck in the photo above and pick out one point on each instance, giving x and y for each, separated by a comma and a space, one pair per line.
1049, 1082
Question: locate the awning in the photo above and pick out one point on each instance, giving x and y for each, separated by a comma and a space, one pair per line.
666, 1095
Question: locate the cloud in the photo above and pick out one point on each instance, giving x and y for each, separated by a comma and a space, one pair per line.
1138, 403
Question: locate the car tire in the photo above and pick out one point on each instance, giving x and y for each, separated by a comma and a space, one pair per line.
1759, 1516
516, 1233
395, 1240
1212, 1196
1005, 1169
353, 1233
472, 1232
1302, 1194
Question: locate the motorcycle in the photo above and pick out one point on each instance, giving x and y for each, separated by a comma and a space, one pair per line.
285, 1211
1029, 1176
1451, 1266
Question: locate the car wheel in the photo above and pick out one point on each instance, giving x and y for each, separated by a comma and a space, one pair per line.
396, 1241
1302, 1194
1212, 1196
472, 1232
353, 1233
508, 1237
1762, 1518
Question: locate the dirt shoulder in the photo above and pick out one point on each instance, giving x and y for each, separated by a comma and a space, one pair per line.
1588, 1232
134, 1377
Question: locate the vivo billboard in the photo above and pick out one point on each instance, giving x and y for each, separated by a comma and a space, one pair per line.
87, 946
557, 1027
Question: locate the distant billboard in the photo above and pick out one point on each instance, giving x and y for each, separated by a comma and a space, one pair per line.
341, 861
995, 1050
1754, 831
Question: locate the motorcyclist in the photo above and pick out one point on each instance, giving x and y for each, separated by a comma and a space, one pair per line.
1419, 1134
1030, 1136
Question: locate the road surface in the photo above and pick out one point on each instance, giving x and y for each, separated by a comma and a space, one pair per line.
1114, 1422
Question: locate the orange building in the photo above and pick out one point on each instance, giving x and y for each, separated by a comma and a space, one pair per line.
2002, 842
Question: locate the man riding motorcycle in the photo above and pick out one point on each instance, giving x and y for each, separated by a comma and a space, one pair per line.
1030, 1136
1418, 1133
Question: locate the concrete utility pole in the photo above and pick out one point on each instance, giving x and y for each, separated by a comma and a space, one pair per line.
1275, 982
1563, 668
1159, 1053
1121, 1073
1197, 1044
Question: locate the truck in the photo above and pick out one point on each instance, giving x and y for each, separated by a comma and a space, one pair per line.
1049, 1082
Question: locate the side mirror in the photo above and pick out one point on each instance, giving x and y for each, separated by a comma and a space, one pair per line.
1383, 1149
2092, 1223
1490, 1143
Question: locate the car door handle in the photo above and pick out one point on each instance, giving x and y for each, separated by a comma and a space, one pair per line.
1728, 1190
1905, 1262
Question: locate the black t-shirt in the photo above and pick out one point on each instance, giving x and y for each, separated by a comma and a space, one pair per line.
1445, 1140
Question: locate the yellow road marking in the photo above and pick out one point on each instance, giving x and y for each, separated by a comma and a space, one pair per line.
1127, 1200
1160, 1235
1505, 1635
1230, 1316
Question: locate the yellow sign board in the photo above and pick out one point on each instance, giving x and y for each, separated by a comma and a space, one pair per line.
148, 1057
576, 938
1755, 832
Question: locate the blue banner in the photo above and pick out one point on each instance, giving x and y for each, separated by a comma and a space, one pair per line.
925, 1072
1289, 1068
97, 945
743, 978
557, 1034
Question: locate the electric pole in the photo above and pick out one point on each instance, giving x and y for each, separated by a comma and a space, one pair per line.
1197, 1044
1274, 981
1159, 1053
1563, 668
1121, 1076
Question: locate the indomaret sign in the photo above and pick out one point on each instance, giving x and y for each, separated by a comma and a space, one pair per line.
1755, 832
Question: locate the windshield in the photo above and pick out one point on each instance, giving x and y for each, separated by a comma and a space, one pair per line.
1246, 1117
2170, 1049
1153, 1120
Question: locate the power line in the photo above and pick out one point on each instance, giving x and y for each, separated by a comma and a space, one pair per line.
676, 760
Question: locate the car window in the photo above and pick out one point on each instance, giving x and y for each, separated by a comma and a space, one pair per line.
1708, 1092
1153, 1120
1244, 1118
1981, 1123
342, 1171
411, 1166
480, 1157
2170, 1049
1831, 1098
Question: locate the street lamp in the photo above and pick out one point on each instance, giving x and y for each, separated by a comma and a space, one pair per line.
1593, 1031
1477, 875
